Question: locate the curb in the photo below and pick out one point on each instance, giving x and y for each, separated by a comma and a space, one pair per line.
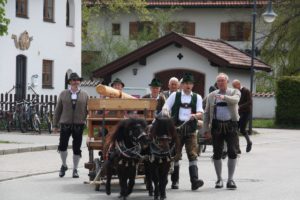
30, 149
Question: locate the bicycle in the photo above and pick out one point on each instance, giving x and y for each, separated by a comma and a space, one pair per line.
19, 116
46, 116
4, 118
32, 116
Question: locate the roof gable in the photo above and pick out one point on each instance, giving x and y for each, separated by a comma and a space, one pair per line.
216, 51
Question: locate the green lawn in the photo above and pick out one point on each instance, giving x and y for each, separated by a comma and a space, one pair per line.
270, 123
264, 123
4, 142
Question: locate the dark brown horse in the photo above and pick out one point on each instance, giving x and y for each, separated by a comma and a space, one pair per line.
122, 150
163, 148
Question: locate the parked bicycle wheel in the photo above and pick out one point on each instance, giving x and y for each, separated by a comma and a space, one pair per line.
49, 124
22, 123
9, 120
36, 123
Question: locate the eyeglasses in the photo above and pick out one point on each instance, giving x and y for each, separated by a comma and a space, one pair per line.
75, 79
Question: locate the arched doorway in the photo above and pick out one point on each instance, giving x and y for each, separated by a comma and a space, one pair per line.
165, 75
21, 71
67, 75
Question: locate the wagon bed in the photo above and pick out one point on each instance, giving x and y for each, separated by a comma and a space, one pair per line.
105, 114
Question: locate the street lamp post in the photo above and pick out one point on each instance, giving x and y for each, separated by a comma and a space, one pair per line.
269, 16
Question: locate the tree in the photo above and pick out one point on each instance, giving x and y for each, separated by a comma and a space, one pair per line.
107, 47
282, 45
3, 21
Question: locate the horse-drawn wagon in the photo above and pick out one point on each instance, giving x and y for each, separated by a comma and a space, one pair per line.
104, 114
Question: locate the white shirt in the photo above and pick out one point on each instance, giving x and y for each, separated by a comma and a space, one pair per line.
74, 95
184, 113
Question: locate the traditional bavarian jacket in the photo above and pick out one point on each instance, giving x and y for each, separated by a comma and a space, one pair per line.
232, 97
183, 105
68, 113
160, 101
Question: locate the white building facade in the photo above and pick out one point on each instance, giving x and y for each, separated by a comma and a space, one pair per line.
42, 47
227, 21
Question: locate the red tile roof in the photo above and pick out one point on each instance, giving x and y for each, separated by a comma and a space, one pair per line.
205, 3
231, 54
218, 52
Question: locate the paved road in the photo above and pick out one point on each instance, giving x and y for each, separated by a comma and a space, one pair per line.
271, 171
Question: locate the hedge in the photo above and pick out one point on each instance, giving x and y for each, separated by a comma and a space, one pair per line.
288, 101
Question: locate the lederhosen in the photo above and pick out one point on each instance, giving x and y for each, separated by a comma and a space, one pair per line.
187, 133
223, 131
75, 130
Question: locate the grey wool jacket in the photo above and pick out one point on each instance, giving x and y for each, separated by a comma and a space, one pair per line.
232, 98
64, 113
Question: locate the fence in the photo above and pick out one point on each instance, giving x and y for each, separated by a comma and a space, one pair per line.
8, 101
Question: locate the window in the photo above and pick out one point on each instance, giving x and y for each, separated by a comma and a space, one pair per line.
116, 29
47, 74
235, 31
49, 10
181, 27
68, 14
21, 8
144, 30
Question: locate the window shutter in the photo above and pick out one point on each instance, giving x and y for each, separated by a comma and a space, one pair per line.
133, 30
224, 33
190, 28
247, 31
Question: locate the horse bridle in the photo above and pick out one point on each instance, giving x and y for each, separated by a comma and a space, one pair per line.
156, 151
133, 152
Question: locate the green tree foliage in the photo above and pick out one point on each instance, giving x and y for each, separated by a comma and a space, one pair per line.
287, 96
108, 47
3, 21
282, 46
99, 39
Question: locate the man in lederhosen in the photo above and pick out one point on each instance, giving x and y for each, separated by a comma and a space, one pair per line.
245, 109
186, 108
221, 116
70, 113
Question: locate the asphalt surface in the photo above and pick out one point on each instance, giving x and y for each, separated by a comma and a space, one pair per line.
270, 171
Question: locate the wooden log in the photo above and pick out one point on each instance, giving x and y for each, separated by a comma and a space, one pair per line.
112, 92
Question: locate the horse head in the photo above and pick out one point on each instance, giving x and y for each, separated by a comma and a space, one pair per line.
163, 133
130, 136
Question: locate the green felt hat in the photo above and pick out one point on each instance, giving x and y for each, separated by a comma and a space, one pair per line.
74, 76
188, 77
155, 83
117, 80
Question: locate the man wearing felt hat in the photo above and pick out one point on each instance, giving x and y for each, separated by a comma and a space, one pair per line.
70, 113
185, 107
155, 87
117, 84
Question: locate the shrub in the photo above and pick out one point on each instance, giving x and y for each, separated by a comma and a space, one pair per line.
288, 100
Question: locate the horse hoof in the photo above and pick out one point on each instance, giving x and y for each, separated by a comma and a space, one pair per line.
156, 198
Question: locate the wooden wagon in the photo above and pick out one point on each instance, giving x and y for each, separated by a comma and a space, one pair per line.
103, 117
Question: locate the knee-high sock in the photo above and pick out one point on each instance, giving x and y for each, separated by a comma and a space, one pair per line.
76, 159
63, 156
218, 168
231, 168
